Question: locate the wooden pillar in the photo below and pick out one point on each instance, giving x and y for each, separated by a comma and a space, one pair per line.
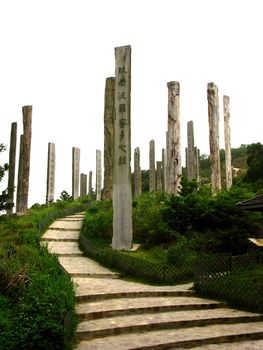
197, 155
19, 177
191, 156
213, 117
122, 191
228, 158
174, 139
24, 161
98, 175
83, 185
109, 114
12, 166
159, 185
152, 173
51, 167
90, 182
137, 173
164, 169
75, 172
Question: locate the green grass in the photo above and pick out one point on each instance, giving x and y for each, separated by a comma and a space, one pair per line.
251, 274
37, 298
156, 254
242, 289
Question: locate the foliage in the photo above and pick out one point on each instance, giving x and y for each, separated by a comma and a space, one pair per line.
188, 187
40, 295
254, 174
196, 222
37, 297
4, 205
65, 196
217, 217
98, 220
148, 228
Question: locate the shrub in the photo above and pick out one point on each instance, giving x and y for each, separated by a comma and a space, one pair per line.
98, 220
148, 226
36, 296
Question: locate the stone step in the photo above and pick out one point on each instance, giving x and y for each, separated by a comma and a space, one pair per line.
97, 289
80, 297
66, 225
75, 216
163, 320
59, 239
58, 235
127, 306
70, 220
179, 338
70, 255
84, 267
63, 248
237, 345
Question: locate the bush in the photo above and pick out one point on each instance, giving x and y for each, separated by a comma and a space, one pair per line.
148, 227
98, 220
211, 223
36, 296
39, 295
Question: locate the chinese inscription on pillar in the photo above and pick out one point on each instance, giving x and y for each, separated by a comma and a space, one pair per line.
122, 194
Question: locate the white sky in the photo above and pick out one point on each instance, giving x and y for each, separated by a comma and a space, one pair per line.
56, 55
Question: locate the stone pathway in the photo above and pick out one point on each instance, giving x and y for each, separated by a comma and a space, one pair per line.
120, 315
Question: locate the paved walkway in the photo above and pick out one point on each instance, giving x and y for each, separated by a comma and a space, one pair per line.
120, 315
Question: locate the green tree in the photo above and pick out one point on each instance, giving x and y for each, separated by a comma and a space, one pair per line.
4, 205
254, 162
145, 180
65, 196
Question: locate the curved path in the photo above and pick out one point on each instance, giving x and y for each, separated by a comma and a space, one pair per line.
120, 315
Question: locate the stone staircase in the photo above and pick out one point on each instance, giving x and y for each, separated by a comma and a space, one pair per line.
120, 315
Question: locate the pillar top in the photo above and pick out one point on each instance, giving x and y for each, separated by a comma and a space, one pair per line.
174, 85
211, 85
29, 107
212, 89
123, 47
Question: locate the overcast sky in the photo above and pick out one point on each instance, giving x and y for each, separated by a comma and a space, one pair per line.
56, 55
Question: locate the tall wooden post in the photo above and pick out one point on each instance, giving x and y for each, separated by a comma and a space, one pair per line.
137, 173
164, 169
51, 167
191, 156
213, 117
227, 142
20, 177
24, 161
75, 172
174, 139
83, 185
12, 166
197, 155
159, 185
90, 182
122, 191
109, 114
152, 172
98, 175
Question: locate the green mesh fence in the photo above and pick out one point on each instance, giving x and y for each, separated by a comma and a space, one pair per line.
213, 277
132, 266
